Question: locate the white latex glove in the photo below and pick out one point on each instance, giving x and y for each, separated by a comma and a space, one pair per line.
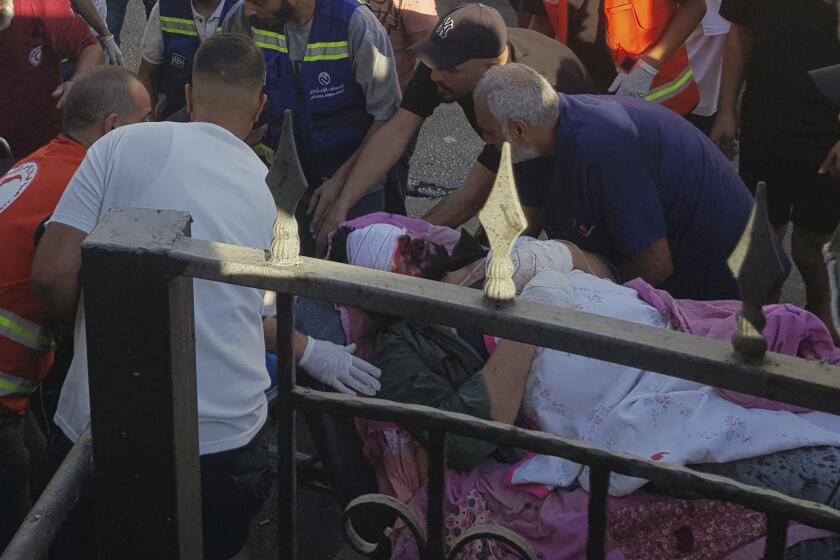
337, 367
636, 83
113, 54
549, 288
531, 256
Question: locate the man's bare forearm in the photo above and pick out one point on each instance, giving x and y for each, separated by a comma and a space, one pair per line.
505, 375
148, 76
464, 203
684, 22
382, 149
87, 10
736, 56
91, 56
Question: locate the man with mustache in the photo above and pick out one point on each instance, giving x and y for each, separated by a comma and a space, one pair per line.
464, 44
632, 181
173, 33
331, 64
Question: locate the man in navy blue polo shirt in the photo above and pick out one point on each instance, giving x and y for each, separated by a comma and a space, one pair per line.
627, 179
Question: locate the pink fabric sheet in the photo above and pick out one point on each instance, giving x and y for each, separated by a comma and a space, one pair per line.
790, 330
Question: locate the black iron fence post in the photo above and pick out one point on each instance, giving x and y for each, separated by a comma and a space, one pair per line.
286, 430
141, 363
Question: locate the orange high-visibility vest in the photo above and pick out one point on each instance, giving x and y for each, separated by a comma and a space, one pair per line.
29, 193
633, 27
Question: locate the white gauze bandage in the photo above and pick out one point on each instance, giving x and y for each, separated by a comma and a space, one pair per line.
374, 246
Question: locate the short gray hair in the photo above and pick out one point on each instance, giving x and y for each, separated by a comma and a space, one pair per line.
98, 93
516, 91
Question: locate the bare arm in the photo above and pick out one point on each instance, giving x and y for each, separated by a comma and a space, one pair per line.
90, 56
382, 150
736, 56
55, 273
464, 203
592, 263
148, 74
87, 10
654, 264
688, 16
270, 335
505, 375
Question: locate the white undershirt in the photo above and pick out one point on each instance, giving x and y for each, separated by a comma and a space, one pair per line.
705, 52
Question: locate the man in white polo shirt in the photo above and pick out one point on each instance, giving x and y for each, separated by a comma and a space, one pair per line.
206, 169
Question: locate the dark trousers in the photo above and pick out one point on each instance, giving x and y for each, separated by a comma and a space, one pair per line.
22, 470
234, 485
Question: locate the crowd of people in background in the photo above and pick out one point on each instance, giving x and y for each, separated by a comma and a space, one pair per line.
639, 131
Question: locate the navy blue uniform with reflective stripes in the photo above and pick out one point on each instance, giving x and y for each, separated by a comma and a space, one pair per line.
329, 106
180, 43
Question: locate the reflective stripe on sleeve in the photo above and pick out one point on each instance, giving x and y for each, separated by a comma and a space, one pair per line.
269, 40
11, 386
671, 89
25, 332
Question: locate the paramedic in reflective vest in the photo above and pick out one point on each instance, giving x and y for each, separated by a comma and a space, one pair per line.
174, 31
101, 100
631, 181
647, 38
331, 63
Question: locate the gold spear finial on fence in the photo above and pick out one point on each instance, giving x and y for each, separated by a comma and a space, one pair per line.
760, 266
287, 184
503, 221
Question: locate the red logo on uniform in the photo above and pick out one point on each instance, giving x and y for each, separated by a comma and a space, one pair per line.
13, 183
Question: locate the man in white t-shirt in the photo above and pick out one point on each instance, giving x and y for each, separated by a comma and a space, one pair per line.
206, 169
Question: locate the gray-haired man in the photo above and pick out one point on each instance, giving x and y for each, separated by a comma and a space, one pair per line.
632, 181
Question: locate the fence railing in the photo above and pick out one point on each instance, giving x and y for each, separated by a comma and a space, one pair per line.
137, 284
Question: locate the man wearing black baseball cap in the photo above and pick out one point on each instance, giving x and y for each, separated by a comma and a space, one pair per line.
466, 42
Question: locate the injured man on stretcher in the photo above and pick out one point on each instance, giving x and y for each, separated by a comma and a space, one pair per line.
755, 441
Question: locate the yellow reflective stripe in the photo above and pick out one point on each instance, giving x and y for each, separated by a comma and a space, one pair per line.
256, 31
325, 57
271, 47
25, 332
667, 91
178, 20
326, 51
11, 385
326, 45
179, 31
264, 151
178, 26
269, 40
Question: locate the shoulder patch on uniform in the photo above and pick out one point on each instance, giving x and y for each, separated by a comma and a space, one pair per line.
15, 182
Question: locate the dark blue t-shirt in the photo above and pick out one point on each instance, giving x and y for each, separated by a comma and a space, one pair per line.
627, 173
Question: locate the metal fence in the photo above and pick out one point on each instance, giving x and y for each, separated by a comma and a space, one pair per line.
143, 385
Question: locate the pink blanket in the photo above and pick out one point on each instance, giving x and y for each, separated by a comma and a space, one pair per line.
642, 526
790, 330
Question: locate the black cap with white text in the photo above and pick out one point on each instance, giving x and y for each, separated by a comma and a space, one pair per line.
468, 32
